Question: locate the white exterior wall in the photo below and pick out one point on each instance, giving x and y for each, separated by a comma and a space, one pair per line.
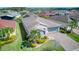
58, 28
41, 27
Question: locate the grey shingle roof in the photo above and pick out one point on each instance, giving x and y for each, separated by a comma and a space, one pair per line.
75, 15
48, 23
29, 23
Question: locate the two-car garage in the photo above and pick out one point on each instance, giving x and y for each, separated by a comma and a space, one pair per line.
53, 29
52, 26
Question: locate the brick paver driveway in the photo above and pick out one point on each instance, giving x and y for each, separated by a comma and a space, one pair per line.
67, 43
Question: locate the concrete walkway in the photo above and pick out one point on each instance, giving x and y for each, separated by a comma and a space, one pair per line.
67, 43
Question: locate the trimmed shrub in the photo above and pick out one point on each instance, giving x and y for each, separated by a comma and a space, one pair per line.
62, 30
33, 45
13, 37
45, 37
2, 43
8, 40
40, 40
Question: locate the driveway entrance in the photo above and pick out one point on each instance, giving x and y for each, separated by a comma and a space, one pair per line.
66, 42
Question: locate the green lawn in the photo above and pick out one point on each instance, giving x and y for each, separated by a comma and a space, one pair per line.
74, 36
14, 46
47, 46
23, 32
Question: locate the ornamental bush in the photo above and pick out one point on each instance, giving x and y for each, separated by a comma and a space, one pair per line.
62, 30
2, 43
13, 37
45, 37
40, 40
8, 40
33, 45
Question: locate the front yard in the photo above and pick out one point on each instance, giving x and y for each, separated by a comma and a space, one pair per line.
50, 45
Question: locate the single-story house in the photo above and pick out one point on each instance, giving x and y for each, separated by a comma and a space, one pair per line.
7, 17
10, 15
44, 25
75, 15
7, 24
60, 18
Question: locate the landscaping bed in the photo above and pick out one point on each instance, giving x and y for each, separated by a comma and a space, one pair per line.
7, 40
50, 45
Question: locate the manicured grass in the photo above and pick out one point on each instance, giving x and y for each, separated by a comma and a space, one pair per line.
47, 46
14, 46
74, 36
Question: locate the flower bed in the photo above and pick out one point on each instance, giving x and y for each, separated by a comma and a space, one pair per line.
40, 41
8, 40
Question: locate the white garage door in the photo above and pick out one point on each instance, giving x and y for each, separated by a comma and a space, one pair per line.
53, 29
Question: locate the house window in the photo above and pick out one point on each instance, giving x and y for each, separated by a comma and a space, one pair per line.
42, 32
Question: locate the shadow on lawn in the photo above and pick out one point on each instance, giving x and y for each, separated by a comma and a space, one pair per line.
24, 36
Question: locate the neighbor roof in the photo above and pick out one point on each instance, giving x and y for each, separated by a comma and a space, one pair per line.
75, 15
8, 23
60, 18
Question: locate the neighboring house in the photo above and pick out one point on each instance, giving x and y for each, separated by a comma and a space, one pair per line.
8, 23
75, 15
60, 18
14, 14
10, 15
43, 14
7, 17
43, 25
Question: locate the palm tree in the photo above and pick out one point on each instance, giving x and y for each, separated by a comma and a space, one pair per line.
35, 34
